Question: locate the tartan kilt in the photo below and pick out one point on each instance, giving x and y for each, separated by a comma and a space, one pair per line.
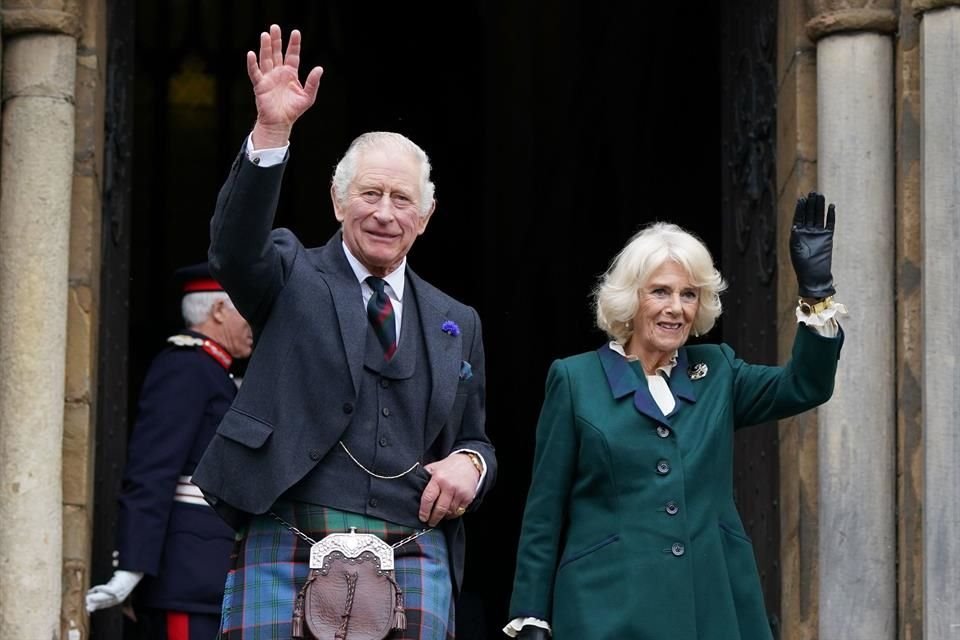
270, 565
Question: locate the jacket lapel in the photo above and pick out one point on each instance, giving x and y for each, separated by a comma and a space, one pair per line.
444, 353
347, 301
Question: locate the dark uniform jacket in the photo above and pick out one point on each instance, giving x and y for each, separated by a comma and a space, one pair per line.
630, 528
184, 549
303, 382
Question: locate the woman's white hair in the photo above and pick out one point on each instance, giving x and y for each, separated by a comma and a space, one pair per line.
616, 297
195, 307
346, 169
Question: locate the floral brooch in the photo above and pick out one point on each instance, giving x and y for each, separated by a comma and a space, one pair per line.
697, 371
450, 327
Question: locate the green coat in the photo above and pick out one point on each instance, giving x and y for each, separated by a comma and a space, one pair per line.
630, 530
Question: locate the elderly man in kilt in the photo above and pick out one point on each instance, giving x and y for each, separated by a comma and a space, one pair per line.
363, 405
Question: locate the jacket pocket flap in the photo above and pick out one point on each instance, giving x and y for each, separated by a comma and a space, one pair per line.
245, 429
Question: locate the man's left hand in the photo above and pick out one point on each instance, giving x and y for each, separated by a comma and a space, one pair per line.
452, 487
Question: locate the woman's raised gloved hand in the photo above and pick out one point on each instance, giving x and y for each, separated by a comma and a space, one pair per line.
811, 246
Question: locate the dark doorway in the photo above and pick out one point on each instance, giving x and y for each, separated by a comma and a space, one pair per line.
554, 134
748, 170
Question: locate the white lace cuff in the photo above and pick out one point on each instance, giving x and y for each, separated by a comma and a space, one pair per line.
825, 323
515, 625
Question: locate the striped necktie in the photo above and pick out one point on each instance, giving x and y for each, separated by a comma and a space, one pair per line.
382, 318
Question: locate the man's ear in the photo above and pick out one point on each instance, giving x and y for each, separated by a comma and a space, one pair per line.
336, 204
216, 311
425, 218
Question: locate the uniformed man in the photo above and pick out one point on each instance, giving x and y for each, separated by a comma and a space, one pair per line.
171, 544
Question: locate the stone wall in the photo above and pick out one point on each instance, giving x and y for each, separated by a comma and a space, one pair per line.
54, 72
909, 333
82, 315
796, 174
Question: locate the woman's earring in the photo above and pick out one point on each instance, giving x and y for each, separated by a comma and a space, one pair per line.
628, 325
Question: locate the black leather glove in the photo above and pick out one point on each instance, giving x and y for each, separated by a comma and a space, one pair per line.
531, 632
811, 246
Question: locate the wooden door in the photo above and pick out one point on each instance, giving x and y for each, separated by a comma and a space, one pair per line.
748, 169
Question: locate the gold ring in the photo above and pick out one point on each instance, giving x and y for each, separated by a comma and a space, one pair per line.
461, 511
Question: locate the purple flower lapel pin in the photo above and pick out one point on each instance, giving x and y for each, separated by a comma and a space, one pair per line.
450, 327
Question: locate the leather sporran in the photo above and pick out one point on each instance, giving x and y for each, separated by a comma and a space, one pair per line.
350, 593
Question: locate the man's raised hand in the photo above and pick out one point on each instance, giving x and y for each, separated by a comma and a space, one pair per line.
280, 97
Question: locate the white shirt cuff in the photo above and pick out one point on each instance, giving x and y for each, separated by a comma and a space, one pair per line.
825, 323
266, 157
515, 625
483, 463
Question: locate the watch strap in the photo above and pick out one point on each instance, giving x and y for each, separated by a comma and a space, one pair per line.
809, 309
475, 459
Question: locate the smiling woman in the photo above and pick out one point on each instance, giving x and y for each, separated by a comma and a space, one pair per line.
668, 305
633, 471
660, 286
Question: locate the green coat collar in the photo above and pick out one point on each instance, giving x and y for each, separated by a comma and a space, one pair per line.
623, 381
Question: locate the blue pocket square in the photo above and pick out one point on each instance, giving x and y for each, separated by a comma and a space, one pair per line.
466, 371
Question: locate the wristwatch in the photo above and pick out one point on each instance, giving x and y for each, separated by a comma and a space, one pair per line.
808, 309
475, 459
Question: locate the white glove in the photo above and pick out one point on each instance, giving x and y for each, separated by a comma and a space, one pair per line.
114, 592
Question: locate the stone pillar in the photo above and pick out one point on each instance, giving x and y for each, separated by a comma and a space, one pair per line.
83, 317
857, 428
940, 92
36, 171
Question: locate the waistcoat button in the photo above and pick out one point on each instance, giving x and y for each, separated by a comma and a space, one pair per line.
347, 407
663, 467
677, 549
672, 508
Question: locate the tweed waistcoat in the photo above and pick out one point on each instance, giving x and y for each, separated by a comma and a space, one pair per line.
385, 435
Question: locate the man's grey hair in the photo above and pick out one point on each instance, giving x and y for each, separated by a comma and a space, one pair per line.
346, 169
195, 307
